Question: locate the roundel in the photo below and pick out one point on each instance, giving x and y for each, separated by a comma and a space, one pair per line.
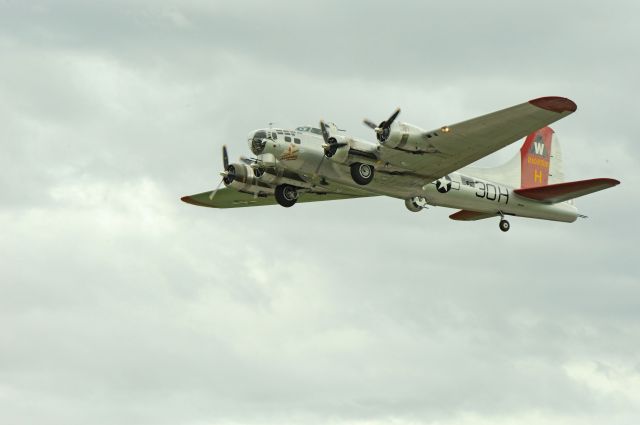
443, 184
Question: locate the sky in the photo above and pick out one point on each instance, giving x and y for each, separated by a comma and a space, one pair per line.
119, 304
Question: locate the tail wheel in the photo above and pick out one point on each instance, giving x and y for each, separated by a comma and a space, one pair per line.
286, 195
504, 225
362, 173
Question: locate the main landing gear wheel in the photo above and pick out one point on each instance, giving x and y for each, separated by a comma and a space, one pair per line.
504, 225
362, 173
286, 195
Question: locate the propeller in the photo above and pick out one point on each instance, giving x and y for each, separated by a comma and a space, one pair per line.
382, 129
225, 157
215, 191
330, 144
227, 175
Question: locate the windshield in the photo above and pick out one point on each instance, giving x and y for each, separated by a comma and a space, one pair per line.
310, 130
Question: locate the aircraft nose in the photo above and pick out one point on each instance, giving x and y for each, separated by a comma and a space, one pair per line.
257, 141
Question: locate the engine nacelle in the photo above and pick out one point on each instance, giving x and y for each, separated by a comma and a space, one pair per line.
337, 148
415, 204
406, 137
241, 177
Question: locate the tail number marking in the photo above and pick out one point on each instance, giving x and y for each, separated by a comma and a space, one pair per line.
492, 192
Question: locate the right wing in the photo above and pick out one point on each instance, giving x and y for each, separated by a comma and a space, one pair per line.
452, 147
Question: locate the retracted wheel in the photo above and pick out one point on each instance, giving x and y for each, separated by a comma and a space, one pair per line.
286, 195
504, 225
362, 173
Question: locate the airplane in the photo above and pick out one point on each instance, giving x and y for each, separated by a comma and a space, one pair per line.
421, 167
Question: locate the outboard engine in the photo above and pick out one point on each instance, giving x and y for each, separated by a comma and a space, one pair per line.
240, 177
404, 136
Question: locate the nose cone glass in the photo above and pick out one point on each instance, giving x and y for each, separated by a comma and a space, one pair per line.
257, 141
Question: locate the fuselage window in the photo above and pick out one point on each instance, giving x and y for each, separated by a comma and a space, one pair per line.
296, 140
287, 138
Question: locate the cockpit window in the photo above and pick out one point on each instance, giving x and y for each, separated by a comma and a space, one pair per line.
310, 130
260, 135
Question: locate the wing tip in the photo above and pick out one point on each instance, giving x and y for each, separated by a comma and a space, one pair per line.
555, 104
609, 182
190, 200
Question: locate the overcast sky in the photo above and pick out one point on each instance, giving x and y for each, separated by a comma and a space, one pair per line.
119, 304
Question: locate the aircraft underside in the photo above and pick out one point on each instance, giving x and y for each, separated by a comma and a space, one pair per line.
420, 167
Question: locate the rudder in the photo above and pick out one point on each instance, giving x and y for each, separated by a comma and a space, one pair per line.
538, 163
536, 157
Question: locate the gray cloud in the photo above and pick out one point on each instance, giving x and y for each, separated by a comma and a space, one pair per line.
120, 304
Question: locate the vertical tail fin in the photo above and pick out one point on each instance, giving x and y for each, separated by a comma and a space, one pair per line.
539, 163
535, 156
556, 169
541, 159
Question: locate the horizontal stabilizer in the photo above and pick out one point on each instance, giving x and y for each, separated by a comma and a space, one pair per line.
466, 215
565, 191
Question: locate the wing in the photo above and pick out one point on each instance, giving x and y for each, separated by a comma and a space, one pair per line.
564, 191
452, 147
231, 198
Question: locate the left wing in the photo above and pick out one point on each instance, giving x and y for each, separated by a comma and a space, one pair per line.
231, 198
452, 147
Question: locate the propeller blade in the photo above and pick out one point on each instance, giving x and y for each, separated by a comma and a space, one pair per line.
215, 191
391, 119
325, 133
383, 129
370, 124
225, 157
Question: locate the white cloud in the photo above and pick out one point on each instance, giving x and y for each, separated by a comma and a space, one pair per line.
613, 380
